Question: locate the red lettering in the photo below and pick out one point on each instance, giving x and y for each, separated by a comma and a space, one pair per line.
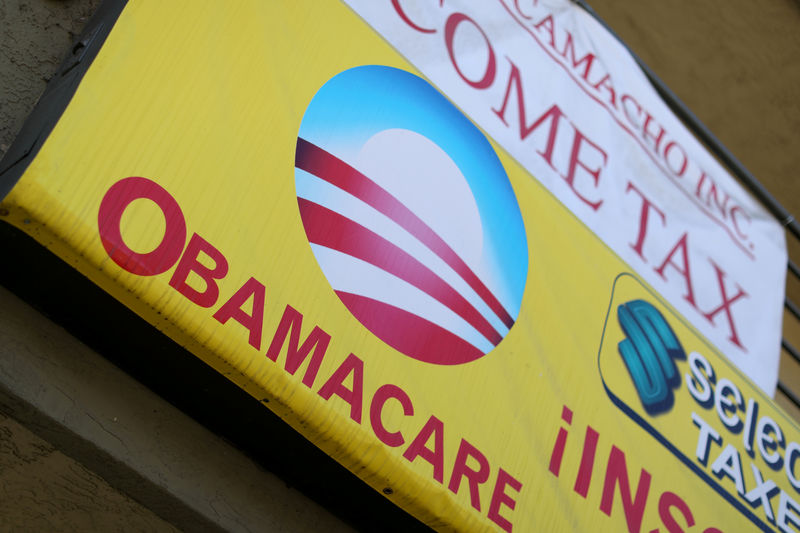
554, 114
617, 475
290, 325
254, 321
588, 59
118, 197
385, 392
433, 427
712, 200
190, 262
683, 269
500, 498
335, 385
450, 27
519, 10
574, 162
561, 441
700, 182
628, 98
646, 133
402, 14
668, 501
584, 477
681, 170
605, 83
738, 210
712, 195
549, 26
644, 217
726, 305
474, 477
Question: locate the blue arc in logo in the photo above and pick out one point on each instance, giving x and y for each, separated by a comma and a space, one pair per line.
410, 215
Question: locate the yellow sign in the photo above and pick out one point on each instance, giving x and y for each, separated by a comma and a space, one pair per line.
279, 191
702, 410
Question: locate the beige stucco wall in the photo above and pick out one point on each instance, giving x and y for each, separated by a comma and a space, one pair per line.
35, 35
42, 489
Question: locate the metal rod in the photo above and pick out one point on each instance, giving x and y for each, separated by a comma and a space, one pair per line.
789, 394
791, 349
793, 269
792, 307
705, 135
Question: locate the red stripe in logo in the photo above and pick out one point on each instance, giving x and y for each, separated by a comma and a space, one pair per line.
333, 230
324, 165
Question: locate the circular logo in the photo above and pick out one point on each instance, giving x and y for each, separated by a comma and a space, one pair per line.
410, 215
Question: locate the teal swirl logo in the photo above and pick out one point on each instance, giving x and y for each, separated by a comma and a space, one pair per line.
649, 353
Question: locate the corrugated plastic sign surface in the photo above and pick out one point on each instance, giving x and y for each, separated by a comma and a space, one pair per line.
278, 190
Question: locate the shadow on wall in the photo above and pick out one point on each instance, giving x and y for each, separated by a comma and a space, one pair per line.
35, 35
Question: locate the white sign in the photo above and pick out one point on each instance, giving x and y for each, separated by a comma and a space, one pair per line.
566, 100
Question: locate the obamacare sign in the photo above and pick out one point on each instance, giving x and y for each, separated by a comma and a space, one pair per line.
460, 286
